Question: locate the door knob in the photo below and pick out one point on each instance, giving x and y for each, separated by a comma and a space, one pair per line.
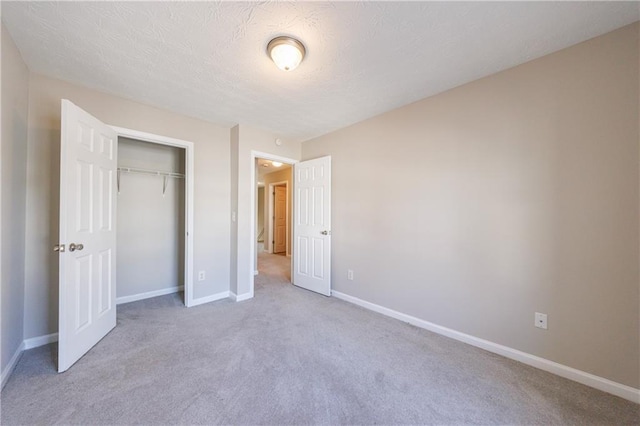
59, 248
325, 232
74, 247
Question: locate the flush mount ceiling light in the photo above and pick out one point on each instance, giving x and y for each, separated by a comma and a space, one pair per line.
286, 52
276, 163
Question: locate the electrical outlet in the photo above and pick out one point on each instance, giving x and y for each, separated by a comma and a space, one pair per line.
201, 276
350, 274
541, 320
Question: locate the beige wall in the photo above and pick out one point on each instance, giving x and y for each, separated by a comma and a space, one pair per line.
13, 150
279, 176
211, 190
513, 194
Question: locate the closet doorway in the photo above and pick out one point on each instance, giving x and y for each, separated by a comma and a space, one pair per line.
154, 213
89, 181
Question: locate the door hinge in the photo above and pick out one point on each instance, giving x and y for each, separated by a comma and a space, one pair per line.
59, 248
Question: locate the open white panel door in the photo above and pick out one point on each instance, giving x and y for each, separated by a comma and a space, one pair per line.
312, 225
87, 304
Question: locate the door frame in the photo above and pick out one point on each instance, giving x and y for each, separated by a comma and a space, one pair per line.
254, 185
272, 210
188, 199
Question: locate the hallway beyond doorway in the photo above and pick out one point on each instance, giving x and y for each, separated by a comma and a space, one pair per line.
274, 269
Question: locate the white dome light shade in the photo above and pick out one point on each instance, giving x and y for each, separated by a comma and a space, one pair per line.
286, 52
276, 163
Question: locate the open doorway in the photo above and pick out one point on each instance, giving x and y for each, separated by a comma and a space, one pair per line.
273, 213
310, 244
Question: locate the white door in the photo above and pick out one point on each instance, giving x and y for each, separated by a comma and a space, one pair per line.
88, 161
312, 225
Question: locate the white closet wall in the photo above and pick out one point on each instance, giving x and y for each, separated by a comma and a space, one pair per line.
150, 227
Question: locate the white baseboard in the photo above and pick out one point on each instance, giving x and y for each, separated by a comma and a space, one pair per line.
26, 344
148, 295
35, 342
245, 296
240, 297
597, 382
6, 373
207, 299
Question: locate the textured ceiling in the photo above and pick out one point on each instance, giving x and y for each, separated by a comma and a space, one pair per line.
208, 60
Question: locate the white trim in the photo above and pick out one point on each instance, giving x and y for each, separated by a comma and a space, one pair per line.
211, 298
271, 211
600, 383
240, 297
6, 373
36, 342
243, 297
252, 233
188, 199
148, 295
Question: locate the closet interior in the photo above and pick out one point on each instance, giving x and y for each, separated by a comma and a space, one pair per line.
150, 250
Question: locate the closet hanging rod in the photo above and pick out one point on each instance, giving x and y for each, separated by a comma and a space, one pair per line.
150, 172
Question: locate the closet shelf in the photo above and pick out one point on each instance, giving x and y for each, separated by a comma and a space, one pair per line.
151, 172
165, 176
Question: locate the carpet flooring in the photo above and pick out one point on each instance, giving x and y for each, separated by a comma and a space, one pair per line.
289, 356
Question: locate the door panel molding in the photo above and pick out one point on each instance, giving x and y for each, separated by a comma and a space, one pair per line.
84, 319
312, 225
